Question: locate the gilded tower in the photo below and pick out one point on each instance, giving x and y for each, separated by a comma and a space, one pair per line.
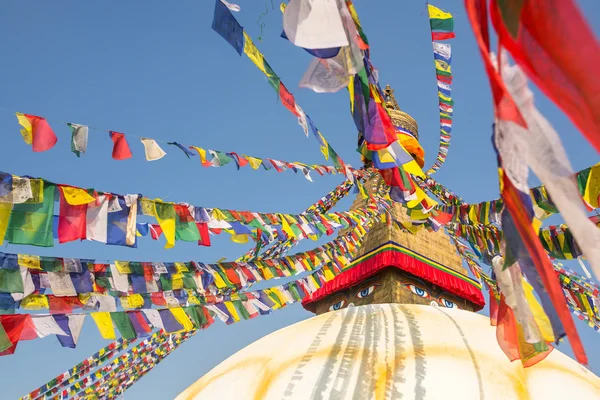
394, 265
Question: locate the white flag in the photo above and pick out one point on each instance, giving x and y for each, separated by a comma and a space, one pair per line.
153, 150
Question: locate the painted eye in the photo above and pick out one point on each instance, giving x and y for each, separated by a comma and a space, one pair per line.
418, 291
340, 304
365, 292
449, 304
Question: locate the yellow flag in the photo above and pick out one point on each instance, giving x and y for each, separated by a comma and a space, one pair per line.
240, 239
592, 188
540, 317
148, 207
436, 13
177, 281
286, 227
232, 310
192, 299
181, 267
218, 214
328, 274
123, 267
412, 167
132, 301
443, 66
165, 215
31, 262
182, 318
253, 161
104, 324
76, 196
27, 130
5, 211
219, 282
35, 302
267, 273
444, 97
253, 54
201, 153
324, 146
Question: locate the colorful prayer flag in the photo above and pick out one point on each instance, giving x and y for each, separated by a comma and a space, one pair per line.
121, 149
36, 132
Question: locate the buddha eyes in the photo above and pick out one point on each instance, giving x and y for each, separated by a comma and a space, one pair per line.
366, 292
337, 306
448, 303
418, 291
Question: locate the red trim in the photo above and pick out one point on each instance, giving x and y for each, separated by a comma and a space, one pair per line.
406, 263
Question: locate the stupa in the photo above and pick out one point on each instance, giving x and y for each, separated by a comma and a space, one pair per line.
398, 323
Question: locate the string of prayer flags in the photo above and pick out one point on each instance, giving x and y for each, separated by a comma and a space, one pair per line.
152, 149
36, 132
441, 22
79, 138
121, 150
227, 26
442, 26
79, 370
112, 219
209, 158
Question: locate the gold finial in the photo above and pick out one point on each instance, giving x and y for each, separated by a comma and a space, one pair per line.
390, 99
399, 117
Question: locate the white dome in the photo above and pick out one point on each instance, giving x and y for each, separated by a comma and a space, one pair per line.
390, 351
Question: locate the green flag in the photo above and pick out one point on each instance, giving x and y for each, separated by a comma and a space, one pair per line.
32, 223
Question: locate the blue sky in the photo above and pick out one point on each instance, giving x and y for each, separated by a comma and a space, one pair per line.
156, 69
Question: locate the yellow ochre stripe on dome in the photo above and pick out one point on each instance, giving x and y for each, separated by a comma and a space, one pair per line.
411, 253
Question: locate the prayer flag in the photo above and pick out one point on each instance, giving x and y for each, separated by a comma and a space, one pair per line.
71, 325
124, 325
166, 215
97, 219
36, 132
121, 149
71, 220
183, 148
79, 138
152, 149
104, 323
11, 327
225, 24
32, 223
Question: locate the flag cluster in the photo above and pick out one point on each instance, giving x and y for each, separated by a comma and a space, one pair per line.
27, 217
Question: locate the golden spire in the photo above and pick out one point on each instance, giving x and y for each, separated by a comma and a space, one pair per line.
399, 117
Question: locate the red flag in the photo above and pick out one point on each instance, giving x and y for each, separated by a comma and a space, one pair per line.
39, 133
442, 35
13, 326
204, 234
443, 78
121, 149
71, 220
287, 99
155, 231
29, 332
64, 304
552, 42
